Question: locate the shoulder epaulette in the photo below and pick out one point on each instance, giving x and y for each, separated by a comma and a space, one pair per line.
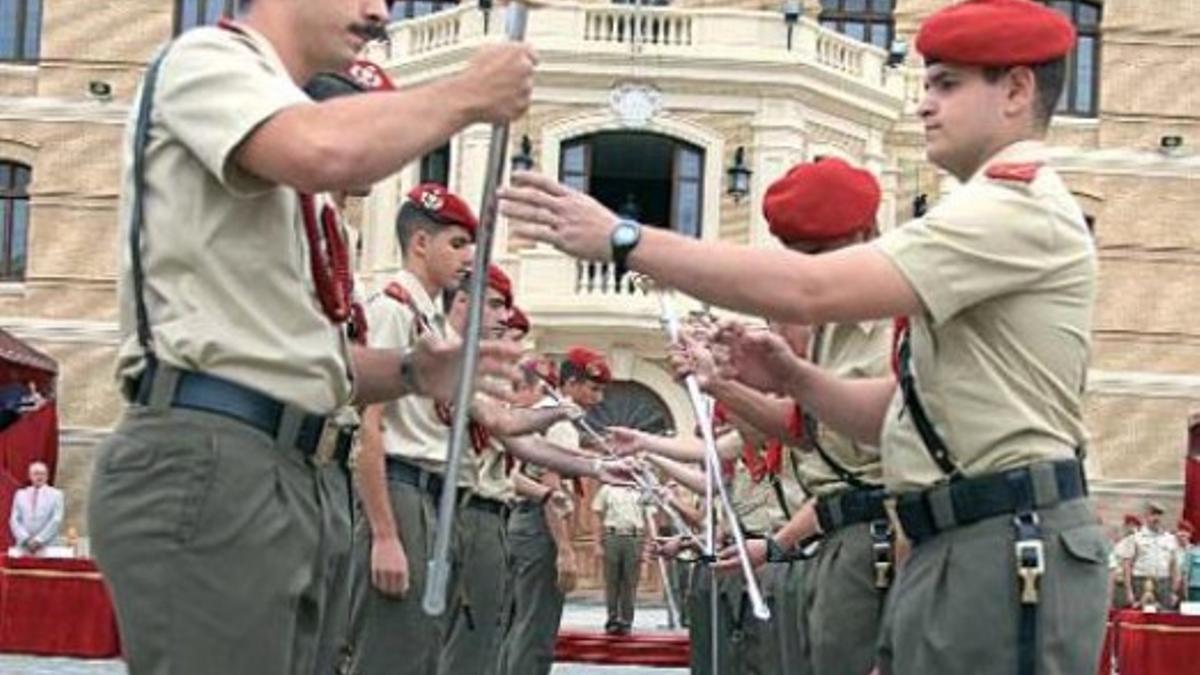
1023, 172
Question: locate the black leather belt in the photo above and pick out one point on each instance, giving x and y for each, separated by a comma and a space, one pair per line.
618, 532
411, 474
219, 396
926, 514
489, 505
851, 507
526, 506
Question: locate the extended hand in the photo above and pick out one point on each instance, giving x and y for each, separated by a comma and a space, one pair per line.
436, 364
758, 358
728, 559
546, 211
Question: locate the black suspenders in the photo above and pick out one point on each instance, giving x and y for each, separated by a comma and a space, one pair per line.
812, 428
912, 402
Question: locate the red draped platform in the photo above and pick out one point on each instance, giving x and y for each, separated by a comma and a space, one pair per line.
659, 650
56, 608
1151, 644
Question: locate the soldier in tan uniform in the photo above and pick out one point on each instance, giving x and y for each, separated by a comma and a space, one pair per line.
759, 477
210, 504
982, 437
621, 545
333, 643
501, 437
538, 535
818, 208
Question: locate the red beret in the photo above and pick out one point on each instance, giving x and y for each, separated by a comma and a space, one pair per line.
443, 206
498, 281
1131, 519
517, 320
591, 362
543, 368
820, 201
370, 76
996, 33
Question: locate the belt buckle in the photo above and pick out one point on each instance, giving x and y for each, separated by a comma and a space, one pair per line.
1030, 558
323, 454
881, 553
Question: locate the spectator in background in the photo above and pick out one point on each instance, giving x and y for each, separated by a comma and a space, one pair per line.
37, 513
1189, 566
623, 519
33, 399
1121, 554
1153, 565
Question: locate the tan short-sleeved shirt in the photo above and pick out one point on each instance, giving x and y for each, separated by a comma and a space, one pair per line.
495, 480
412, 428
1152, 553
1006, 271
228, 287
620, 508
852, 351
755, 503
561, 433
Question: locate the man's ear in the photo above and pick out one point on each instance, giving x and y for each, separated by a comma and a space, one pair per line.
1020, 92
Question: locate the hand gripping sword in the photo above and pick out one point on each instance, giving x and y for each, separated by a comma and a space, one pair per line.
438, 575
645, 480
712, 461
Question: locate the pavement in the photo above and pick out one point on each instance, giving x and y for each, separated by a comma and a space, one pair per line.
578, 614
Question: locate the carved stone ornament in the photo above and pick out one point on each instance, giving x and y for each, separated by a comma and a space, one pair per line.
635, 104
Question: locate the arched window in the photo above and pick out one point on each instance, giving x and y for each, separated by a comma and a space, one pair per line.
866, 20
1081, 91
193, 13
20, 30
633, 405
648, 177
411, 9
14, 219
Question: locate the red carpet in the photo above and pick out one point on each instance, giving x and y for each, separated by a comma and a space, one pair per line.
660, 650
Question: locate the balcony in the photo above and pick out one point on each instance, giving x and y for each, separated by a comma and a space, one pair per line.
566, 294
716, 43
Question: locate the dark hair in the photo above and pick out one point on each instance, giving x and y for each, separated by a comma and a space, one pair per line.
325, 86
570, 371
1050, 78
412, 219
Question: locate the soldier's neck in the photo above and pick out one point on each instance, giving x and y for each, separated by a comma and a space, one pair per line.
272, 21
418, 269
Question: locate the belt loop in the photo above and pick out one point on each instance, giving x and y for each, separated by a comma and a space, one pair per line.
836, 516
290, 419
162, 387
1045, 485
941, 506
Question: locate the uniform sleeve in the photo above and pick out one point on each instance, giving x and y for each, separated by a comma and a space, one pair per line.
214, 90
986, 241
598, 500
391, 324
563, 434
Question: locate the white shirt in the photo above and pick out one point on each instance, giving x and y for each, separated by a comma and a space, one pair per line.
37, 519
1153, 552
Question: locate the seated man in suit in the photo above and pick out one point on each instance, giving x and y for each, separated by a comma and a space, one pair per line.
37, 512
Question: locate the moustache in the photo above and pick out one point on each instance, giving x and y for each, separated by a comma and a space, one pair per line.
371, 32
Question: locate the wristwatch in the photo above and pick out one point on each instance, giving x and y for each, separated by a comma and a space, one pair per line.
775, 552
408, 376
625, 238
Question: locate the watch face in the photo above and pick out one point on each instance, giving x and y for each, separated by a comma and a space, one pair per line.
625, 234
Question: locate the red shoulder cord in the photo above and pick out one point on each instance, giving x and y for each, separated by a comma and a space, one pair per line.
768, 462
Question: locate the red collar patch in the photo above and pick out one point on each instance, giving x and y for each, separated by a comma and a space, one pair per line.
1020, 172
